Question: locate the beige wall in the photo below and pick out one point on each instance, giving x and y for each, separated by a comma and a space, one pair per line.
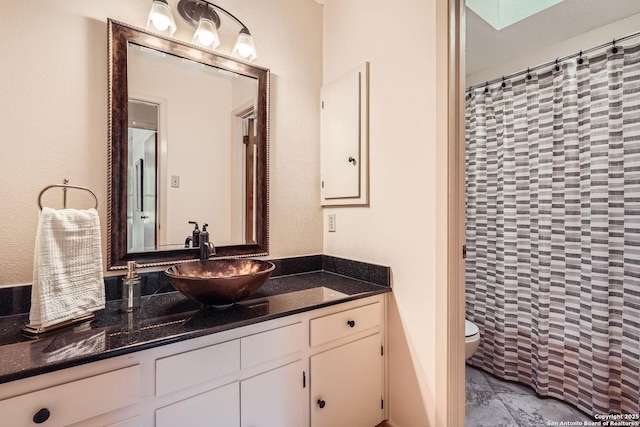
53, 104
399, 228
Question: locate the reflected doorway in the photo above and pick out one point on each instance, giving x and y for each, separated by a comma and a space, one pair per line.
142, 182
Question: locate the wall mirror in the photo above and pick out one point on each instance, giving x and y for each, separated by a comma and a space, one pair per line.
188, 136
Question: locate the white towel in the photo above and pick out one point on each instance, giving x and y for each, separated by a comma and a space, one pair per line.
67, 273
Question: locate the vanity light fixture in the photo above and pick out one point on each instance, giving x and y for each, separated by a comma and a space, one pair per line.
244, 45
160, 18
202, 16
206, 34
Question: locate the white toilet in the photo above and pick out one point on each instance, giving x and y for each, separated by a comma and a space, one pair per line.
471, 339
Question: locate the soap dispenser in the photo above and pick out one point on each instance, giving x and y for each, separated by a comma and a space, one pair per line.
195, 236
204, 247
131, 289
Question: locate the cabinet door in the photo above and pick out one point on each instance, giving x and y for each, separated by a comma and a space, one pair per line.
218, 407
344, 139
275, 398
346, 385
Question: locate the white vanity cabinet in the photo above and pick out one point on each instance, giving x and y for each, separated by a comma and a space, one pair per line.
217, 407
276, 398
267, 374
347, 379
273, 393
346, 385
188, 369
261, 387
129, 422
73, 401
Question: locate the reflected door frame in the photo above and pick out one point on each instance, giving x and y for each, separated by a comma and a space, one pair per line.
162, 179
249, 179
246, 113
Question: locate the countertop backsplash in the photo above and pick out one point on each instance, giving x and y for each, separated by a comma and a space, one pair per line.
17, 299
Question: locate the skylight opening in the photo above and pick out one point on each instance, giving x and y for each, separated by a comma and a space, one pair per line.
502, 13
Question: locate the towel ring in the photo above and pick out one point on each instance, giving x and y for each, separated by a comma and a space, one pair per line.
65, 187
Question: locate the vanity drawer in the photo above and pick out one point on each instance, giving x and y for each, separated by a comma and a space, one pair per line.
196, 366
271, 345
344, 323
75, 401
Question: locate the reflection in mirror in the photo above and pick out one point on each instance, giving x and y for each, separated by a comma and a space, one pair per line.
142, 177
198, 174
188, 144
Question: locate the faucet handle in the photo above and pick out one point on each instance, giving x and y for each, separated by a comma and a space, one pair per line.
204, 226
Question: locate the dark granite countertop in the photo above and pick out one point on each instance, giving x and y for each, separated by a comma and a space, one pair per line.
167, 318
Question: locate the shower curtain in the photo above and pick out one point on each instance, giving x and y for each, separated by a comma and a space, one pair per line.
553, 230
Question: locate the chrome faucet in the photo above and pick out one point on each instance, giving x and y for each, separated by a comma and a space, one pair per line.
207, 248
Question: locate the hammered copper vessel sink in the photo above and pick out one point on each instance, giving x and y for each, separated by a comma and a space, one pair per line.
219, 282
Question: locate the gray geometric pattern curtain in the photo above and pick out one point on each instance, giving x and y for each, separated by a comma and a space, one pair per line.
553, 230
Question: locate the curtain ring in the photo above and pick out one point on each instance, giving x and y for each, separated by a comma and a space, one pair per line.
580, 60
615, 48
503, 85
557, 67
528, 74
486, 87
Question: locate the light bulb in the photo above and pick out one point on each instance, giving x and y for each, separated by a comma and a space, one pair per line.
205, 38
160, 17
244, 46
244, 50
160, 21
206, 34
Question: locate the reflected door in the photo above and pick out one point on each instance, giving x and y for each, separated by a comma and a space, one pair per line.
142, 182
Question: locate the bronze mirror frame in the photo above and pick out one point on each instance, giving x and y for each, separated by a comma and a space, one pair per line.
120, 35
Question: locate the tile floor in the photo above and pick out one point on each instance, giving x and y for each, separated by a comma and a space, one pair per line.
492, 402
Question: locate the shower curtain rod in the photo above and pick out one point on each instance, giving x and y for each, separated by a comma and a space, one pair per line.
554, 62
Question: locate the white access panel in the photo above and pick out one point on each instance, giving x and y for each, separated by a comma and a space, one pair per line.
344, 139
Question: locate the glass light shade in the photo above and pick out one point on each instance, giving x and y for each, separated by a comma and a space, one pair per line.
244, 45
161, 18
206, 34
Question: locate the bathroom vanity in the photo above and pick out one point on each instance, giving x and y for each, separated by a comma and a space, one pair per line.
307, 350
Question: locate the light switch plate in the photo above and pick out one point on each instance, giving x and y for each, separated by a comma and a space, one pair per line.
175, 181
332, 222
